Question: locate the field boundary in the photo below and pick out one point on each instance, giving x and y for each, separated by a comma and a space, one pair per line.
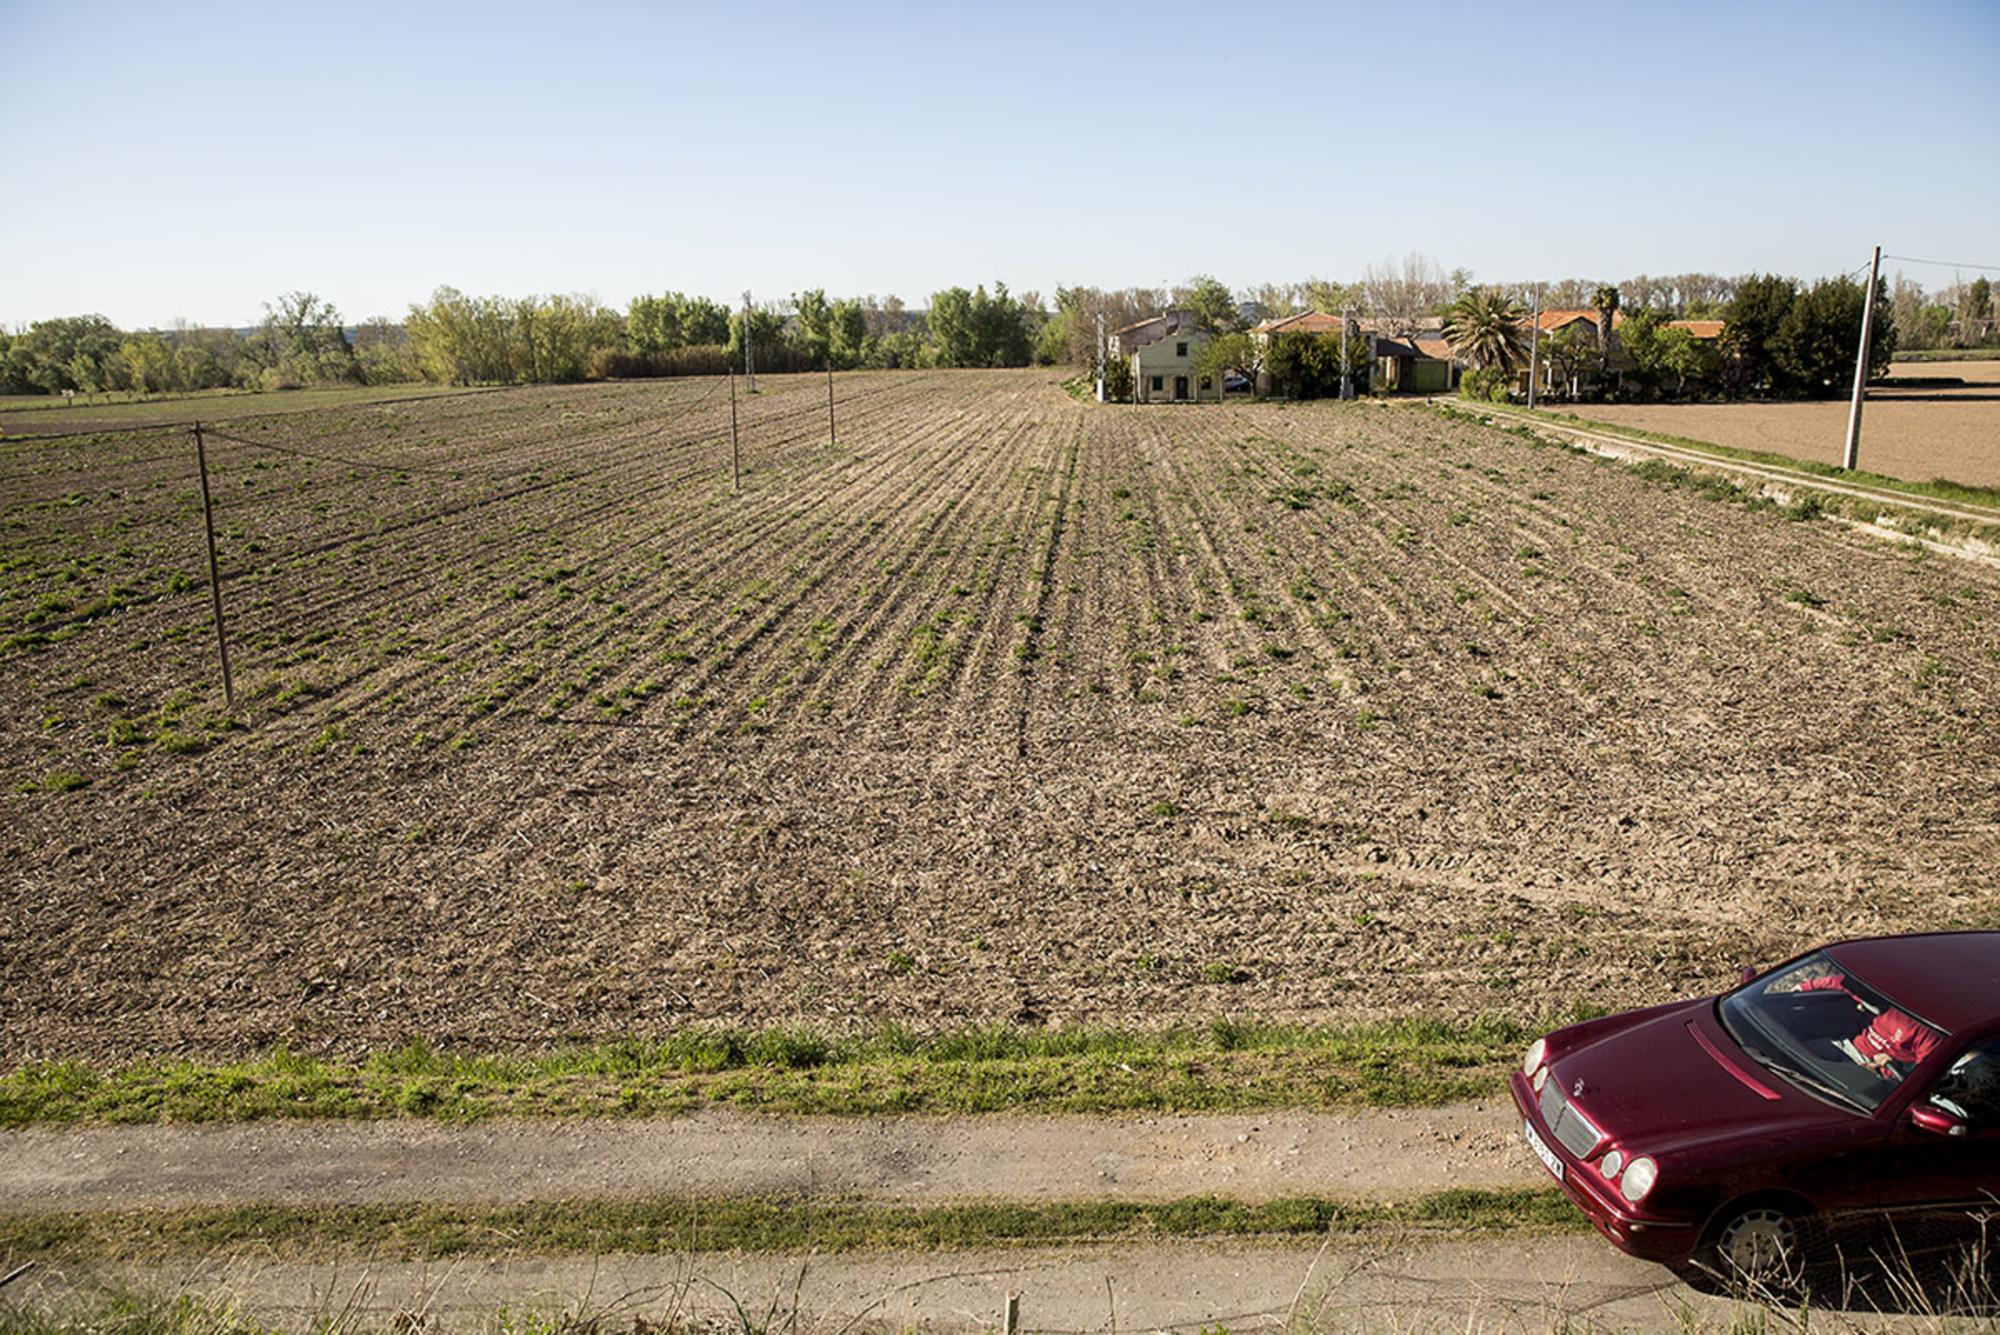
417, 1230
1228, 1066
1721, 457
1778, 480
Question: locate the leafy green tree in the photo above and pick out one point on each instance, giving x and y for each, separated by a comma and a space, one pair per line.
149, 364
78, 352
1226, 353
1487, 329
811, 331
304, 343
767, 338
975, 329
1213, 305
1308, 366
1761, 303
673, 320
1691, 360
847, 333
1569, 353
1814, 344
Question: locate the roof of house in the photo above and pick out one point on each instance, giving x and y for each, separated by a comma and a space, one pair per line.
1396, 347
1699, 328
1305, 322
1553, 320
1141, 324
1433, 346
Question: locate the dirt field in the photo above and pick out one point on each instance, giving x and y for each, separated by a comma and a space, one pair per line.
1919, 434
1011, 708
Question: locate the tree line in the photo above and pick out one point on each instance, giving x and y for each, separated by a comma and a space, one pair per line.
1782, 335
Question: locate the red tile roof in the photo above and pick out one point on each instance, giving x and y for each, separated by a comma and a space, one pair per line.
1699, 328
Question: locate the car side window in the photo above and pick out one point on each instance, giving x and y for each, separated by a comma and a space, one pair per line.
1971, 1088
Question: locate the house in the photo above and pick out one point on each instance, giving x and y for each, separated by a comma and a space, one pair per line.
1164, 371
1705, 330
1412, 363
1126, 341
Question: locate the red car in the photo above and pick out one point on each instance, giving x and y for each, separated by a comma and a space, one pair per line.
1853, 1089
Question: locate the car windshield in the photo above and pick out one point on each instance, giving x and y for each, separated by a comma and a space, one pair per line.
1828, 1032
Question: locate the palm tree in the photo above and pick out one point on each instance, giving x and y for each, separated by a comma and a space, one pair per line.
1605, 300
1486, 328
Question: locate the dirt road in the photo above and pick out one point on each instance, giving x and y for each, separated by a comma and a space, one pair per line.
1389, 1152
1407, 1286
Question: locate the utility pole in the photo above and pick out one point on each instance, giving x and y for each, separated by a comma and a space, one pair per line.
214, 582
1534, 347
831, 438
735, 453
1851, 458
1100, 354
749, 358
1346, 359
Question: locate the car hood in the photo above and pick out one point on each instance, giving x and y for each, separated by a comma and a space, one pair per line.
1666, 1081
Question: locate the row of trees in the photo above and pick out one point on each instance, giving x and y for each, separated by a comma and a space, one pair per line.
301, 341
1780, 338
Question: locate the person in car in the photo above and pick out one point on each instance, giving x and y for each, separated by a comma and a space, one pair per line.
1891, 1042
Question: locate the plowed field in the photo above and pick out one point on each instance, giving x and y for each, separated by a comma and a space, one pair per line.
1009, 708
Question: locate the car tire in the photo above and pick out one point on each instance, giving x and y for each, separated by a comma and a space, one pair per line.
1759, 1248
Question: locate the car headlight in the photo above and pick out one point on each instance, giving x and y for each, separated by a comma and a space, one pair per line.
1639, 1178
1538, 1052
1610, 1164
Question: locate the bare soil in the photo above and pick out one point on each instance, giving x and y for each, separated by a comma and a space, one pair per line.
1919, 433
1011, 708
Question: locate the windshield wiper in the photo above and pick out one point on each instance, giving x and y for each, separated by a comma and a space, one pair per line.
1805, 1080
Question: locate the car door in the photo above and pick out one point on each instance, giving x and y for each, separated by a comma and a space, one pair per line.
1939, 1186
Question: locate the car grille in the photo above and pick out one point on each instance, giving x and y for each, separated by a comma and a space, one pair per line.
1570, 1127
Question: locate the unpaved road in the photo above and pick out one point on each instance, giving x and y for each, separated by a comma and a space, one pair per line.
1389, 1152
1461, 1286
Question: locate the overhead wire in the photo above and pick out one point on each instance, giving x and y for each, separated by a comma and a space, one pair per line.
1943, 264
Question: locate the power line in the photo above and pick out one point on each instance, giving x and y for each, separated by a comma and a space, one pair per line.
1943, 264
341, 459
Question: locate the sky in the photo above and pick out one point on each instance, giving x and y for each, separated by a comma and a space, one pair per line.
193, 160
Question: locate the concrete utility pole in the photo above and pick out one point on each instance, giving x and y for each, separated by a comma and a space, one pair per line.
1534, 347
735, 452
1851, 458
832, 439
1100, 354
749, 359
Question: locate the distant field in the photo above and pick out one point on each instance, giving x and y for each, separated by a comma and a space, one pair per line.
1920, 434
47, 414
1011, 709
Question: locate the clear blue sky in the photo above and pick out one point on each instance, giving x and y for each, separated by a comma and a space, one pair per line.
194, 159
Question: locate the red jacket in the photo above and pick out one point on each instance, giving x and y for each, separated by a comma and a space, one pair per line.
1892, 1034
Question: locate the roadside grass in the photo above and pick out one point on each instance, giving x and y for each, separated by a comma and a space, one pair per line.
1940, 489
1227, 1065
419, 1231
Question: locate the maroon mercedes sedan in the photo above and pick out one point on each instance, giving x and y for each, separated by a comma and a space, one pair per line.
1852, 1090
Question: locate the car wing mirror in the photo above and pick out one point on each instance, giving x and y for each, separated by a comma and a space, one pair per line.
1936, 1121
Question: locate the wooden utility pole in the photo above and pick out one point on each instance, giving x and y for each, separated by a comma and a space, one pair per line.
832, 439
1346, 358
1534, 347
214, 581
1851, 457
735, 453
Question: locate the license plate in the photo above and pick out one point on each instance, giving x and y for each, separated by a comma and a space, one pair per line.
1542, 1151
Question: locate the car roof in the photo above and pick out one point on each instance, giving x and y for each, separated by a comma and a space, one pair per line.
1948, 978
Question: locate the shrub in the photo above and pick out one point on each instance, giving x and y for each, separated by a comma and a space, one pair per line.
1487, 385
695, 359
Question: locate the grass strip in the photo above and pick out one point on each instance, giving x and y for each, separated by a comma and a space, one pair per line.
596, 1227
1224, 1066
1941, 489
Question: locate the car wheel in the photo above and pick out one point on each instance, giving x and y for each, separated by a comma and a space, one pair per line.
1760, 1247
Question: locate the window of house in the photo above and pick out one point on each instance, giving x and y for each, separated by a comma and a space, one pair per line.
1180, 349
1204, 382
1159, 382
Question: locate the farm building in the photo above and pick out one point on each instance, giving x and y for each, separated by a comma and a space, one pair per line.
1163, 370
1408, 363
